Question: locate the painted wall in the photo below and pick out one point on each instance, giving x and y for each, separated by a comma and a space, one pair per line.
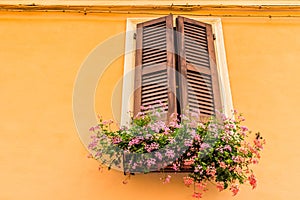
148, 2
41, 154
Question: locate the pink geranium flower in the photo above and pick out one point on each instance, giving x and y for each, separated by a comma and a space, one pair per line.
258, 143
175, 167
222, 165
167, 179
93, 128
170, 153
189, 162
244, 128
220, 186
117, 140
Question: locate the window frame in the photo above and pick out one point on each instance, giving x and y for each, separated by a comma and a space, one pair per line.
129, 65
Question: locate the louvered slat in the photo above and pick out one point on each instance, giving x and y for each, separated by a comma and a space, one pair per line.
195, 36
154, 78
203, 89
151, 88
154, 81
199, 80
154, 41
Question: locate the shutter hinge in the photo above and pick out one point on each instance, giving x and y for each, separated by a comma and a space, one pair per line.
134, 36
214, 36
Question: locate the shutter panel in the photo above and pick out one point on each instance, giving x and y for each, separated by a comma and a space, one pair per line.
155, 66
197, 65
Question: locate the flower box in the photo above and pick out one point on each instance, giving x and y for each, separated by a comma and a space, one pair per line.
217, 150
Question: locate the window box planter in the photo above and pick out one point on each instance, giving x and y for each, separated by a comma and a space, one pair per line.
220, 151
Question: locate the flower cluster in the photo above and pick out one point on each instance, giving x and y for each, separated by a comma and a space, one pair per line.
218, 149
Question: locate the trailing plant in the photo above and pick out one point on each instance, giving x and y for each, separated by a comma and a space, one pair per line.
219, 150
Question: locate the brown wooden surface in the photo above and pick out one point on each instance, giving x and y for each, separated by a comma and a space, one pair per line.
199, 85
138, 70
213, 67
155, 65
181, 64
172, 103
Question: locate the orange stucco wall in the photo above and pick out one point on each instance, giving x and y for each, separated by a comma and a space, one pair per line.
41, 154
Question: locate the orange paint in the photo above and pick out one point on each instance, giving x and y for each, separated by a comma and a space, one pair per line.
41, 154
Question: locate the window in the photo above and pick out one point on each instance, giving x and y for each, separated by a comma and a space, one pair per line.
178, 65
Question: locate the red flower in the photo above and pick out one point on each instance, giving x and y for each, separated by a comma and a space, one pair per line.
211, 171
220, 186
188, 181
259, 144
252, 181
234, 190
254, 160
189, 162
197, 195
201, 186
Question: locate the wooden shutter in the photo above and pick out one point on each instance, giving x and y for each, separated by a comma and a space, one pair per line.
155, 66
199, 85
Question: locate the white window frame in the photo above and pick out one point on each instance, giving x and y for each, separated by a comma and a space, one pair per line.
129, 64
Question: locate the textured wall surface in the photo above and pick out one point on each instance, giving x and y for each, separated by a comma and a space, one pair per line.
149, 2
41, 154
